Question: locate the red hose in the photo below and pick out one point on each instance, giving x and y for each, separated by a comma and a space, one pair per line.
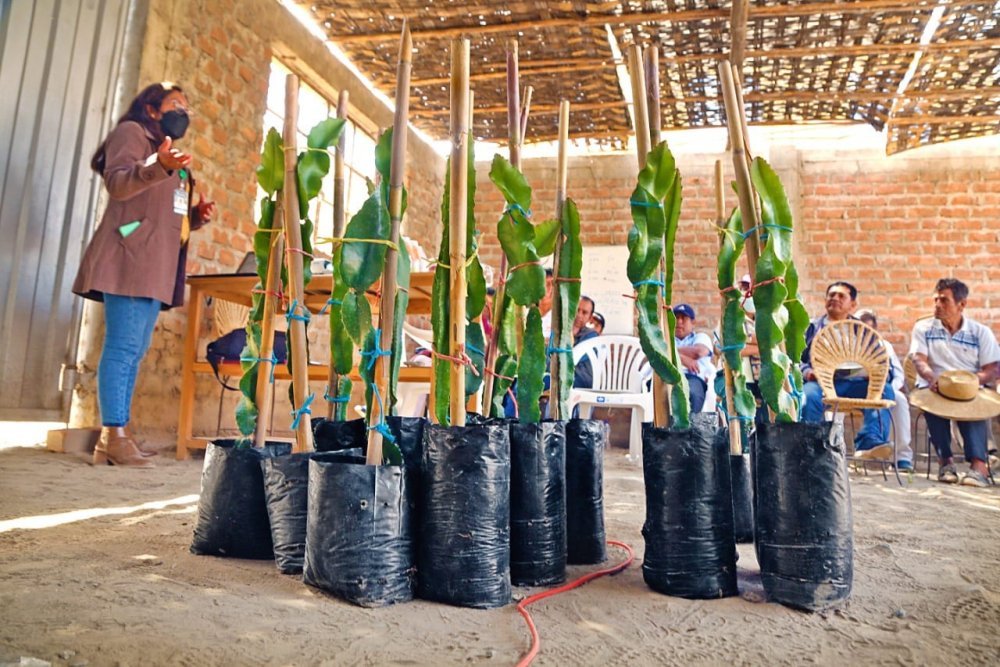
523, 604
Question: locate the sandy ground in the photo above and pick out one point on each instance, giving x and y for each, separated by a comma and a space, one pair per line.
122, 589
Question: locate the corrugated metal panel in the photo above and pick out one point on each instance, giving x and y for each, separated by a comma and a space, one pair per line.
59, 62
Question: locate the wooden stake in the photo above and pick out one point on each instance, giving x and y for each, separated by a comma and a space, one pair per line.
514, 133
458, 220
298, 345
651, 63
555, 404
265, 368
525, 110
339, 221
735, 434
744, 188
387, 311
661, 391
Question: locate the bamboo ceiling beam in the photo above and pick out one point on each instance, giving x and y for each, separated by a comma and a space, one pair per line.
553, 66
592, 20
942, 120
856, 96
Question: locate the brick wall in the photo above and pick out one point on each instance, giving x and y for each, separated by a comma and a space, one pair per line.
892, 226
220, 52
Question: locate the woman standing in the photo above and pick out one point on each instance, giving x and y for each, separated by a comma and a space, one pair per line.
136, 261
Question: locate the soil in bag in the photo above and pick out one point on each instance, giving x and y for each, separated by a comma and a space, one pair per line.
464, 546
739, 469
690, 549
358, 534
804, 529
586, 541
332, 436
538, 503
232, 514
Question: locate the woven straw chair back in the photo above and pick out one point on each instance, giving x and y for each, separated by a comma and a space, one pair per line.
849, 344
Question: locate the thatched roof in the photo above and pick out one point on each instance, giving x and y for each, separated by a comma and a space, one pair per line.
824, 61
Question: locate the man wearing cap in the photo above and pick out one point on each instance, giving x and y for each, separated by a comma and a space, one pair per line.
870, 441
695, 351
941, 345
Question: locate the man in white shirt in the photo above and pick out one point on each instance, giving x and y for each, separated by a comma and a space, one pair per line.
951, 341
695, 351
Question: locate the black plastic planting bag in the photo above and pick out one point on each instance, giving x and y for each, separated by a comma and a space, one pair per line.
538, 503
358, 534
804, 533
586, 440
286, 481
464, 544
690, 550
739, 469
232, 514
332, 436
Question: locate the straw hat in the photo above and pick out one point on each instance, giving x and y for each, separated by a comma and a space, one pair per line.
958, 397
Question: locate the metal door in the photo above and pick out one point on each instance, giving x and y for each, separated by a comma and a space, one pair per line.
60, 67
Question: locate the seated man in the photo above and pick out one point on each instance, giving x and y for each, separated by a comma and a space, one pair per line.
951, 341
583, 374
695, 351
901, 411
870, 441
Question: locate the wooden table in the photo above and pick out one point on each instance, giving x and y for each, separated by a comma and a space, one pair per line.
237, 288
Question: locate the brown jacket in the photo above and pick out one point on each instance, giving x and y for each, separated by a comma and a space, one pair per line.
150, 261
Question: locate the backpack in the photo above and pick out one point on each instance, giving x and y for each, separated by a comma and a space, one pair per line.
229, 347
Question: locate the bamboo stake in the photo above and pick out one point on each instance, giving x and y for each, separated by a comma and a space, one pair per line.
745, 129
265, 369
661, 391
651, 62
387, 310
296, 291
735, 434
555, 407
525, 110
339, 220
514, 121
744, 188
458, 217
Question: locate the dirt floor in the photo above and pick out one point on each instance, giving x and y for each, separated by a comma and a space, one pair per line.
121, 588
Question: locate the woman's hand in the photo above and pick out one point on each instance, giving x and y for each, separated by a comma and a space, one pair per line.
170, 158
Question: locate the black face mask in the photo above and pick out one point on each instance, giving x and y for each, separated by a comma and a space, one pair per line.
174, 124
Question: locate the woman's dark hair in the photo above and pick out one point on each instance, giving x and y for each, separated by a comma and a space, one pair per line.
150, 96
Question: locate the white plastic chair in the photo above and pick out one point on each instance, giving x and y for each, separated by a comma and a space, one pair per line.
623, 378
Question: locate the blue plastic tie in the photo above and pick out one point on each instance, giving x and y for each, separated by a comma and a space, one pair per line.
330, 302
750, 231
372, 355
334, 399
273, 360
303, 410
514, 206
645, 204
383, 428
474, 350
549, 349
740, 418
657, 283
292, 315
729, 348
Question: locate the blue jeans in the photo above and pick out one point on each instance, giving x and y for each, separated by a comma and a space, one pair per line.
973, 437
875, 429
128, 329
697, 387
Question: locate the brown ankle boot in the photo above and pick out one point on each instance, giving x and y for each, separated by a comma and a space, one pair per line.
143, 452
117, 448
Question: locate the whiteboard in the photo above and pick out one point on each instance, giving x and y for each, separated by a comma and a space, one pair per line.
604, 281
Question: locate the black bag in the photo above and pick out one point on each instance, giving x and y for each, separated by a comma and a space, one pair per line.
229, 347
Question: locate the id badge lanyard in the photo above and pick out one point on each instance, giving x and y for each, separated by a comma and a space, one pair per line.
182, 203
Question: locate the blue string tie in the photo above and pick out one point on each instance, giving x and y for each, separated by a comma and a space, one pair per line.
334, 399
549, 349
474, 350
750, 231
303, 410
330, 302
514, 206
273, 360
650, 281
729, 348
377, 352
645, 204
383, 428
292, 315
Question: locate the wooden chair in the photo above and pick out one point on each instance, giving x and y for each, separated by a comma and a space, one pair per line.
853, 345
